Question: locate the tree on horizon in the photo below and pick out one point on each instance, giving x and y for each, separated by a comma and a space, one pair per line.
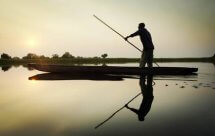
67, 55
104, 55
31, 56
55, 56
5, 56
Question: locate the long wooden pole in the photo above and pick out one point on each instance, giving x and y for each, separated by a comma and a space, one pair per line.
117, 33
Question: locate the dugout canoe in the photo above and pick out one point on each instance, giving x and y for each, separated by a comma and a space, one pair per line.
121, 70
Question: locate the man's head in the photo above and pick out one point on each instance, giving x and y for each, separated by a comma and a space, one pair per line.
141, 118
141, 26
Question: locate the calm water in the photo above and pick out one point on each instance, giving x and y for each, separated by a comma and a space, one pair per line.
178, 105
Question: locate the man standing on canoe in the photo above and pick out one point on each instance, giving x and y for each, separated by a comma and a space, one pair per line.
148, 47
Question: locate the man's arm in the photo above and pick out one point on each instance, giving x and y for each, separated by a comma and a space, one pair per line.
132, 35
132, 109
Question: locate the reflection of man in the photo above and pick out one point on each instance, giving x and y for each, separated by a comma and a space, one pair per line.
147, 92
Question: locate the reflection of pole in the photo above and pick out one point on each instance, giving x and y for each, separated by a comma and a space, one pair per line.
120, 35
117, 111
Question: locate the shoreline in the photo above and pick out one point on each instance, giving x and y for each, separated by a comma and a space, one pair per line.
100, 60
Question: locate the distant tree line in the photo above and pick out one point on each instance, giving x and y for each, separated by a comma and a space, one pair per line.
69, 58
66, 55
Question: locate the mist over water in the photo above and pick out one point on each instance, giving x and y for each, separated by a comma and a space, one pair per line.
171, 105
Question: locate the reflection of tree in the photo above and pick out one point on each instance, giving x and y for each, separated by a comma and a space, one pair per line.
16, 65
6, 67
29, 68
104, 64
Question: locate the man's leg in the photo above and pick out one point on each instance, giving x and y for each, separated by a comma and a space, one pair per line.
143, 60
146, 57
150, 58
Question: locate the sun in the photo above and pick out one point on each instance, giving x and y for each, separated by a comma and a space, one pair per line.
31, 42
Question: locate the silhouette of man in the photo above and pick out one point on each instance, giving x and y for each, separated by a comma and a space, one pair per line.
148, 47
147, 92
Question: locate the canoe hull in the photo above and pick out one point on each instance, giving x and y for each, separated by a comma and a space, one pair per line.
114, 70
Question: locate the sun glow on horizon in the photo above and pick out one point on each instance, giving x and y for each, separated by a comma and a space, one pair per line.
32, 42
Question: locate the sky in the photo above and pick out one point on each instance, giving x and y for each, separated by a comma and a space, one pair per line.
179, 28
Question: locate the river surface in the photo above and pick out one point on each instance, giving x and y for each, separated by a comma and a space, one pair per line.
165, 105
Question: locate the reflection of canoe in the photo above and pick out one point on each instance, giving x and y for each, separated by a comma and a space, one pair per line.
102, 77
114, 69
66, 76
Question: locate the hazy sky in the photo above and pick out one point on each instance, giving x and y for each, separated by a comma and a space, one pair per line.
179, 28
